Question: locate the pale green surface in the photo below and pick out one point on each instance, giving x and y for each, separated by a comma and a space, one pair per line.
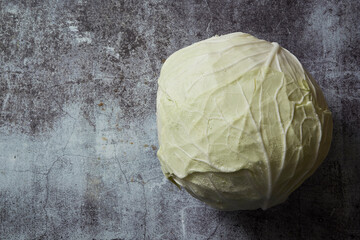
241, 124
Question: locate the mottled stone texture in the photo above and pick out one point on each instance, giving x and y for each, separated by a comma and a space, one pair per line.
78, 134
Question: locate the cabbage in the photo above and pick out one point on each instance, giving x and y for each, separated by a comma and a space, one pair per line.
241, 124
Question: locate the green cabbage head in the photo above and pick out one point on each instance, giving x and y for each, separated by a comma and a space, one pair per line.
241, 124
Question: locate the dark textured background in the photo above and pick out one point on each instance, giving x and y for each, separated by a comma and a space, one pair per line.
78, 126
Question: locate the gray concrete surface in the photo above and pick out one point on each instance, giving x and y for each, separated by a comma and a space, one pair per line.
78, 127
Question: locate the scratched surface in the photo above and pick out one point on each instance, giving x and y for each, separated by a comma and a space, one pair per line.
78, 134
